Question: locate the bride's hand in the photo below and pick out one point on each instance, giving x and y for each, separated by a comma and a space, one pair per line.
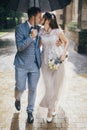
58, 43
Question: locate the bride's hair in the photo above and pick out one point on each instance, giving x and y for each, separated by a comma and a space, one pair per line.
52, 18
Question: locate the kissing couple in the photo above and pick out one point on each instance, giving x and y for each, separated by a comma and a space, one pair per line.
29, 60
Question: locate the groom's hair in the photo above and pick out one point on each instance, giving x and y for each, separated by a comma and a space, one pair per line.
33, 11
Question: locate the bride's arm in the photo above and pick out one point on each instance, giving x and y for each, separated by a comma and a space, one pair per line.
66, 45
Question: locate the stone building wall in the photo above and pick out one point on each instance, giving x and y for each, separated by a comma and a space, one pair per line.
59, 15
69, 13
75, 10
84, 15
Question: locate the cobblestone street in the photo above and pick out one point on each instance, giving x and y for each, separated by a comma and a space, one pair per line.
72, 109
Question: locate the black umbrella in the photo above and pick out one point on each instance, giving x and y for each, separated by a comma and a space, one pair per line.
45, 5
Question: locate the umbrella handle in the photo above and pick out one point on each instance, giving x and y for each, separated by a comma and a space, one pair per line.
34, 3
34, 16
34, 21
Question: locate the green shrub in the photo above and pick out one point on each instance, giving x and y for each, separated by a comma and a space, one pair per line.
72, 26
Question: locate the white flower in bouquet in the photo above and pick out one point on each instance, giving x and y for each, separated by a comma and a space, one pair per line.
54, 63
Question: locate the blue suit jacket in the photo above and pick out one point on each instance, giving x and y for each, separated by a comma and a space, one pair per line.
25, 56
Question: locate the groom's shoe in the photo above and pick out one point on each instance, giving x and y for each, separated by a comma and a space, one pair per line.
17, 105
30, 118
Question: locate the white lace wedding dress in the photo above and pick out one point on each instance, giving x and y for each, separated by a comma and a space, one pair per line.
53, 79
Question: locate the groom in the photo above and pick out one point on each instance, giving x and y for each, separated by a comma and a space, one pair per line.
26, 67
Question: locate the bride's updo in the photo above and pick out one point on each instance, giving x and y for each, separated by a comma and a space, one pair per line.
52, 18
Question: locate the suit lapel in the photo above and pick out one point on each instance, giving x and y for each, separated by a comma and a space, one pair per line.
27, 28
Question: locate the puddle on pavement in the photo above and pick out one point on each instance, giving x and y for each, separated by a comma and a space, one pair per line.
7, 47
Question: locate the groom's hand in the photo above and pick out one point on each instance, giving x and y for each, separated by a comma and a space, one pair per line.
33, 33
59, 43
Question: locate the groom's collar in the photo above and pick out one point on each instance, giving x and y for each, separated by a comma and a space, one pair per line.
29, 24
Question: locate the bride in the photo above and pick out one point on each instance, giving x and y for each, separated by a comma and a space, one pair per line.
53, 57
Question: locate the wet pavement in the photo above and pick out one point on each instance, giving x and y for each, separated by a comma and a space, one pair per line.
72, 109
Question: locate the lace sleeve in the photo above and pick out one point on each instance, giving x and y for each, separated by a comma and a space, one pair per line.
59, 31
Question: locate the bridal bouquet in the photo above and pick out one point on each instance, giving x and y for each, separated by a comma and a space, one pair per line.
54, 63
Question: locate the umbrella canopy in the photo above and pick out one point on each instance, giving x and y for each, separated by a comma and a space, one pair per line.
45, 5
